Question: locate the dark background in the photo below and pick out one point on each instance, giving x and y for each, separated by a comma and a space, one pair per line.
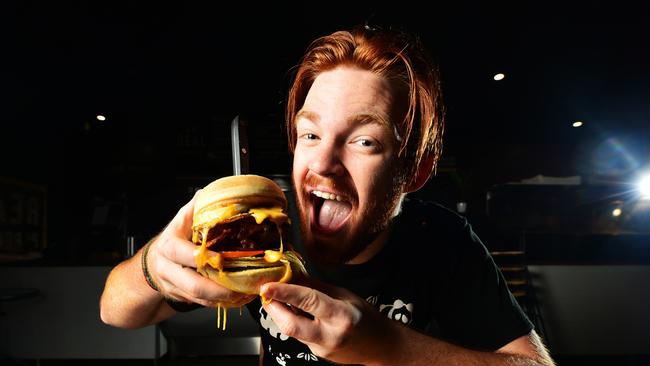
171, 77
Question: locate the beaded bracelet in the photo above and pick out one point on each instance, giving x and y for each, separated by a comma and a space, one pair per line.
145, 269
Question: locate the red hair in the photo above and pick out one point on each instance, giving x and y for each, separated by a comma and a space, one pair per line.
395, 55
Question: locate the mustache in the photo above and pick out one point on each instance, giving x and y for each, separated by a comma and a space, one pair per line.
343, 185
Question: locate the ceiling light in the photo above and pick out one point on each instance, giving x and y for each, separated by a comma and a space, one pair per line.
617, 212
101, 117
577, 124
499, 76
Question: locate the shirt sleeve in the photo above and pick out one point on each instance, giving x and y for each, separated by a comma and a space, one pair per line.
478, 311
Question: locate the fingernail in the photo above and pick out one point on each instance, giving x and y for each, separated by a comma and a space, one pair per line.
265, 300
265, 294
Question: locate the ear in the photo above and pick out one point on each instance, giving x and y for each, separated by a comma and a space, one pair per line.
422, 175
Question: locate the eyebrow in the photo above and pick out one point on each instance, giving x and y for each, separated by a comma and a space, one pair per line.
314, 117
371, 118
362, 119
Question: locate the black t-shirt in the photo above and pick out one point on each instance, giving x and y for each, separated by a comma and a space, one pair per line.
434, 275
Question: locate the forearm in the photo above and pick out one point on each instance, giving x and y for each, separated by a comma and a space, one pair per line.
410, 347
128, 301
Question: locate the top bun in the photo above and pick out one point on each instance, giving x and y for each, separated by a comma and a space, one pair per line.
247, 190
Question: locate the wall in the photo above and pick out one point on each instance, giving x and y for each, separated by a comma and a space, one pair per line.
588, 310
63, 322
595, 309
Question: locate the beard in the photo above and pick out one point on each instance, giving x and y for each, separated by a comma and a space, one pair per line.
362, 229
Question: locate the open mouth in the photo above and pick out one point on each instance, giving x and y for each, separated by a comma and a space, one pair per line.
330, 211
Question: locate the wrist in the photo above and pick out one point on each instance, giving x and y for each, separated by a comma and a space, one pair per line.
389, 345
144, 263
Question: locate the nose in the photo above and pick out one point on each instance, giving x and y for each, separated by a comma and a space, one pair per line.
327, 161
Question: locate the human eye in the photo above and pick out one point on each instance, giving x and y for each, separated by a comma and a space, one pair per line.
309, 136
367, 144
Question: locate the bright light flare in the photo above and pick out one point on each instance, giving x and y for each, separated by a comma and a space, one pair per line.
499, 76
101, 117
617, 212
577, 124
644, 186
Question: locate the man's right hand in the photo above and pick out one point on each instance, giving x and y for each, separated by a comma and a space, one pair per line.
171, 265
129, 302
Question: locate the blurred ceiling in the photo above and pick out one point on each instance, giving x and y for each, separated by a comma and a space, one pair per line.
161, 73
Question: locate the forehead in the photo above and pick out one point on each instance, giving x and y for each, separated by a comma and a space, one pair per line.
346, 93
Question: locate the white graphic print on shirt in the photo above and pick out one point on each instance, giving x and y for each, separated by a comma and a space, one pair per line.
283, 358
267, 323
372, 300
280, 358
399, 311
307, 356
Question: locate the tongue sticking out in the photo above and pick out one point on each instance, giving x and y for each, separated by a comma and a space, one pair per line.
333, 214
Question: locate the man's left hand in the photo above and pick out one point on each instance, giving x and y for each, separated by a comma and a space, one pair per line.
335, 323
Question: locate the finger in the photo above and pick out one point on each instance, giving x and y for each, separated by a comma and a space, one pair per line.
177, 250
236, 301
195, 287
306, 299
292, 325
330, 290
179, 294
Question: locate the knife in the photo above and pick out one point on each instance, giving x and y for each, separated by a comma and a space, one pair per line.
240, 149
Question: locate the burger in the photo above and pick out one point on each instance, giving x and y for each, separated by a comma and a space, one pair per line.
240, 227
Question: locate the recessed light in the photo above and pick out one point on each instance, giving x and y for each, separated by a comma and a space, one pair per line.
101, 117
499, 76
577, 124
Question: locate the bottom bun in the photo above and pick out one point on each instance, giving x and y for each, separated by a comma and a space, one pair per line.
247, 281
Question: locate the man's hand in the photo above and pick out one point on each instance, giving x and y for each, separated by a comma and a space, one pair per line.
333, 322
341, 327
172, 266
129, 302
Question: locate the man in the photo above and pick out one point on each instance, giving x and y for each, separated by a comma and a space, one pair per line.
395, 281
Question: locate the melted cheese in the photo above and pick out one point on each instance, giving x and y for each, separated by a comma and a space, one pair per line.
274, 214
224, 310
287, 272
278, 217
285, 278
273, 256
201, 256
221, 309
212, 218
